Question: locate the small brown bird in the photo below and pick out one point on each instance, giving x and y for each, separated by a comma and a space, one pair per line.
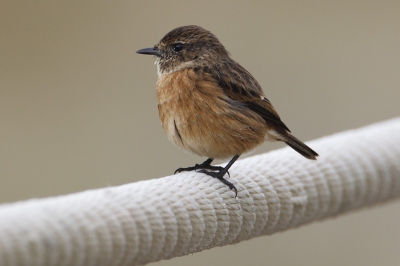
210, 105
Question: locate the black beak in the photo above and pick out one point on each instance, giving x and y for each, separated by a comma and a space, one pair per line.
151, 51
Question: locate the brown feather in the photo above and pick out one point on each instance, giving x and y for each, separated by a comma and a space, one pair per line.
209, 123
208, 103
246, 90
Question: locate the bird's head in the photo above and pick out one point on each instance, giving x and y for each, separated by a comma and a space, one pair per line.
186, 47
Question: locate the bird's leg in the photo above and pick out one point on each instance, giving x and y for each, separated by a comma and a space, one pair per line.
204, 165
222, 172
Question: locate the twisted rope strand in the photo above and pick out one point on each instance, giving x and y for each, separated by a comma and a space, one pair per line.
147, 221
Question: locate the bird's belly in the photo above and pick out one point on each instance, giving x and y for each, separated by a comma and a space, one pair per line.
206, 132
205, 123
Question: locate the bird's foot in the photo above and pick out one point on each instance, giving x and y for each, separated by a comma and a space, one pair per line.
199, 167
183, 169
214, 171
220, 176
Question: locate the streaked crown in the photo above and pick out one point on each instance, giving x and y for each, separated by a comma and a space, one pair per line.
186, 47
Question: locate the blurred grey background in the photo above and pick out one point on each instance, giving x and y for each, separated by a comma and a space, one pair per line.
78, 107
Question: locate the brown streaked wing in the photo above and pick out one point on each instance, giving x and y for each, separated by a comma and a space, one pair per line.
233, 85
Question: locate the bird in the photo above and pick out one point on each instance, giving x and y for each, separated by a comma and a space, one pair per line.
210, 105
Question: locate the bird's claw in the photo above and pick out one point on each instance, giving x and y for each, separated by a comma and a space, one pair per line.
199, 167
220, 176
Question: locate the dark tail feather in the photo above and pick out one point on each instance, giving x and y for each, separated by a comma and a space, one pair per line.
300, 147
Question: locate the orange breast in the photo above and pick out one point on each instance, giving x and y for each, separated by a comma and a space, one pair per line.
197, 116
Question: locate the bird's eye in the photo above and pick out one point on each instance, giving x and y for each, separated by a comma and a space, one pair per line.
178, 47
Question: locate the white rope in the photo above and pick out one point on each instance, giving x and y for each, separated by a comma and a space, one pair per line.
176, 215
